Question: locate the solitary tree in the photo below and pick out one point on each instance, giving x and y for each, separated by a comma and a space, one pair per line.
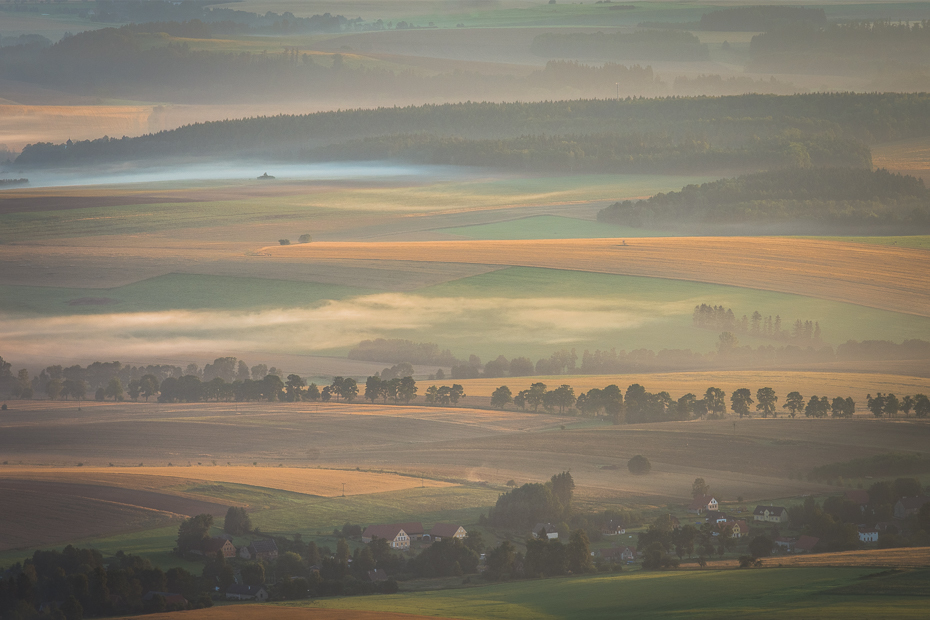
373, 388
766, 402
501, 397
639, 465
921, 406
699, 488
876, 405
892, 405
715, 398
741, 401
534, 397
794, 403
114, 389
407, 390
237, 521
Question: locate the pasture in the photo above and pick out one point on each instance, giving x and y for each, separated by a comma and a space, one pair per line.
762, 593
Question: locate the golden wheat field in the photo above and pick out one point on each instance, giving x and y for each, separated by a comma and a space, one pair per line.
856, 385
883, 277
914, 557
320, 482
911, 156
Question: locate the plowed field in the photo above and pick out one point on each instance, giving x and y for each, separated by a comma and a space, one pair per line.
883, 277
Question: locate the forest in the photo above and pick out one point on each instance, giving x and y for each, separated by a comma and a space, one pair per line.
836, 195
854, 48
825, 121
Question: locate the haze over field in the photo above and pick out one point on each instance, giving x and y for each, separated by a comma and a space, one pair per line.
302, 300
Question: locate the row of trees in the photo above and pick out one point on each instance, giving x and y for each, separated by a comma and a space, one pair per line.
637, 405
889, 405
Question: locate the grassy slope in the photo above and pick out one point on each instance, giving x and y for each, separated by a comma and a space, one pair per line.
699, 594
175, 292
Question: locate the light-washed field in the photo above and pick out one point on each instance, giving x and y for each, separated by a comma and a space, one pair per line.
831, 384
871, 275
307, 481
763, 593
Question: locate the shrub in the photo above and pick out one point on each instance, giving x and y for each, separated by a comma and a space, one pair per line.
284, 241
639, 465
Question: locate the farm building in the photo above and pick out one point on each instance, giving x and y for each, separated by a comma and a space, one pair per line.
618, 554
265, 549
868, 534
552, 533
738, 528
212, 545
715, 516
907, 506
702, 504
613, 528
770, 514
240, 592
446, 530
786, 543
858, 497
396, 536
805, 544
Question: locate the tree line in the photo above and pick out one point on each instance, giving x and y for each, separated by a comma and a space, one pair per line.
851, 48
77, 583
637, 405
723, 121
229, 379
840, 195
719, 318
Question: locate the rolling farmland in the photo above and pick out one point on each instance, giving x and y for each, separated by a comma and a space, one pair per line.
871, 275
308, 481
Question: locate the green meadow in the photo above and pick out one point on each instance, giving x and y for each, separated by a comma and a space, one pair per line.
756, 593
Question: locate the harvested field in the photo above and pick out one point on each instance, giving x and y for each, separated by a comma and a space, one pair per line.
911, 156
318, 482
36, 512
876, 276
914, 557
856, 385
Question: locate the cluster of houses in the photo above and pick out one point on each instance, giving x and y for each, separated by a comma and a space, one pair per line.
401, 535
264, 550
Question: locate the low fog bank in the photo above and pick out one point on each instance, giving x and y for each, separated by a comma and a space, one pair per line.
236, 170
508, 323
